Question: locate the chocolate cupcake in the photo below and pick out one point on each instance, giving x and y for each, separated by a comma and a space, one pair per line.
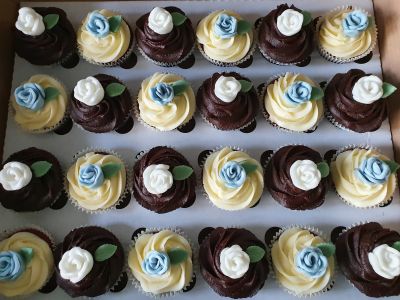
286, 36
233, 262
44, 35
165, 36
354, 101
369, 257
89, 262
163, 180
296, 177
101, 103
30, 180
227, 101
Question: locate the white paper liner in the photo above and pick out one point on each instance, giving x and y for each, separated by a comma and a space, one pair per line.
166, 64
338, 60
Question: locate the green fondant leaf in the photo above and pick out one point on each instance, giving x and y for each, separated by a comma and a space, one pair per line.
51, 93
115, 89
176, 256
388, 89
316, 93
115, 23
40, 168
182, 172
245, 85
255, 253
104, 252
110, 169
178, 19
179, 86
394, 166
307, 18
328, 249
51, 20
323, 168
243, 27
248, 167
27, 254
371, 21
396, 245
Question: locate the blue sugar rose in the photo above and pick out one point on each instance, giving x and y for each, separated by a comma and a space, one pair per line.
355, 23
311, 262
30, 95
11, 265
373, 171
162, 93
299, 92
233, 174
91, 176
98, 25
225, 26
155, 263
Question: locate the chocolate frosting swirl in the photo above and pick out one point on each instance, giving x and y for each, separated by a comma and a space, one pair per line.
104, 274
279, 182
246, 286
168, 48
285, 49
352, 248
53, 45
108, 115
227, 116
40, 192
181, 194
353, 115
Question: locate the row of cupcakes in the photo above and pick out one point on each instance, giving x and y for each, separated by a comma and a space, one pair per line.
165, 36
91, 261
293, 102
163, 180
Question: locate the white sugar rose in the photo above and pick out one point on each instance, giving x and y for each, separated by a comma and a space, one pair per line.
89, 91
234, 262
75, 264
15, 175
29, 22
305, 174
227, 88
160, 21
290, 22
157, 179
368, 89
385, 261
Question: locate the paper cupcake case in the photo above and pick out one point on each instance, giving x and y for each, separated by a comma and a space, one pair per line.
314, 231
195, 265
124, 194
338, 60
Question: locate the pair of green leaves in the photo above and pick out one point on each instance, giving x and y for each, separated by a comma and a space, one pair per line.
178, 19
307, 18
115, 23
179, 86
323, 168
177, 256
115, 89
181, 172
317, 93
104, 252
328, 249
245, 85
40, 168
26, 254
51, 20
255, 253
243, 27
110, 169
248, 167
50, 93
394, 166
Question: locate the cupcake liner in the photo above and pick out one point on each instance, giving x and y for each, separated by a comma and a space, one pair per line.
314, 231
338, 60
124, 194
195, 266
166, 64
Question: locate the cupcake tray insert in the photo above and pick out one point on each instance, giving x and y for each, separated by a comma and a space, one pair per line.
267, 213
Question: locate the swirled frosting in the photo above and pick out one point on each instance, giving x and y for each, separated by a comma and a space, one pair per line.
351, 188
285, 49
353, 115
333, 40
104, 196
180, 194
167, 48
227, 115
352, 248
226, 50
279, 183
37, 272
50, 114
284, 252
109, 114
177, 277
170, 116
106, 49
104, 274
295, 117
223, 196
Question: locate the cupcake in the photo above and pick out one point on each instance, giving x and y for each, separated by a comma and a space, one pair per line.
44, 36
303, 261
161, 262
297, 177
101, 103
40, 104
105, 38
346, 34
293, 102
163, 180
369, 257
224, 38
232, 179
354, 101
364, 177
27, 262
30, 180
286, 36
96, 181
233, 262
165, 36
165, 102
227, 101
89, 262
